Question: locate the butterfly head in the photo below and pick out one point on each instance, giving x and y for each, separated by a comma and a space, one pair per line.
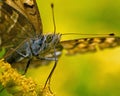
52, 38
44, 42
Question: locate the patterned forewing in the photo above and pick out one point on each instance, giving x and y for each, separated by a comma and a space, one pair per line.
14, 27
30, 10
84, 45
34, 15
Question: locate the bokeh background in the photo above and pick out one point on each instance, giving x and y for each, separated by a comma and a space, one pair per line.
90, 74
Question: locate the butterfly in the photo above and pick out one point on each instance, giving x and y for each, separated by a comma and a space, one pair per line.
22, 36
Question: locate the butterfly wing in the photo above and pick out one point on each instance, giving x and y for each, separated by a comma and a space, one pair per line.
84, 45
14, 27
30, 10
15, 24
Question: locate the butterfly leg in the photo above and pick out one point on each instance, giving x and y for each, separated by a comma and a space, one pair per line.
47, 82
23, 55
27, 66
27, 54
48, 58
50, 75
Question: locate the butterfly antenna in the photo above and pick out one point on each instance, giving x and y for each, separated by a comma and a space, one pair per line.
110, 34
52, 6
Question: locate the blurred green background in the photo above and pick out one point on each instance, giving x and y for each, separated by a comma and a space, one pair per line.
92, 74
